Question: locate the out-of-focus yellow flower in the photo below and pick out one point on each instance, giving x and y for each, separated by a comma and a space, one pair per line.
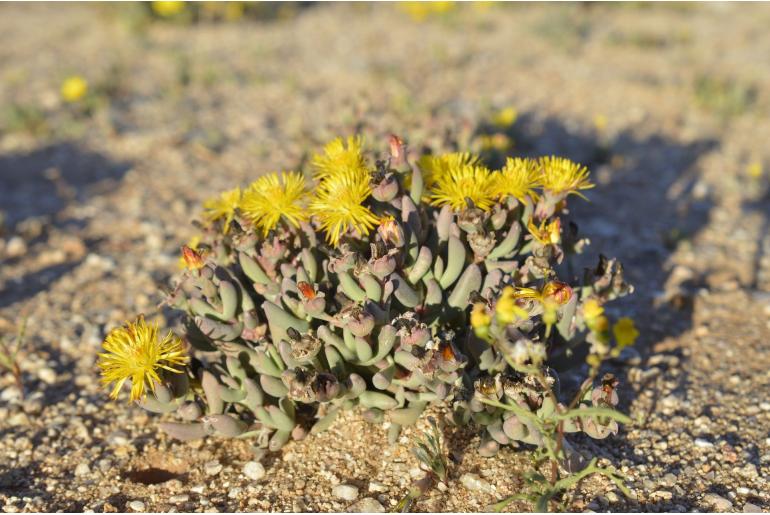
223, 207
506, 117
167, 9
479, 316
561, 176
420, 11
74, 88
600, 324
547, 233
137, 352
274, 196
460, 183
754, 170
340, 157
600, 122
625, 332
338, 204
592, 310
518, 178
497, 141
506, 309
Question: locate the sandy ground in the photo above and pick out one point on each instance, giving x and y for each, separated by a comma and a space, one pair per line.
668, 105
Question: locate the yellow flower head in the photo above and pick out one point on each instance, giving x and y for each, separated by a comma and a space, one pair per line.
274, 196
561, 176
339, 158
592, 310
74, 88
518, 178
435, 167
506, 309
464, 182
223, 207
338, 204
546, 233
167, 9
505, 117
479, 316
625, 332
136, 352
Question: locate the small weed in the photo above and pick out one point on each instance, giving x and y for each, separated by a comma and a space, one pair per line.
9, 353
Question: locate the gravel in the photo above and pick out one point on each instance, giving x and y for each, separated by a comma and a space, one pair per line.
95, 210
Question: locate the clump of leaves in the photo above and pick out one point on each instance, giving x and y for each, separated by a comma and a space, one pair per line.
429, 451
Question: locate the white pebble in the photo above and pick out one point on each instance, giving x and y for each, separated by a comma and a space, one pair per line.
136, 505
82, 469
47, 375
366, 505
376, 486
474, 483
254, 470
703, 444
345, 492
212, 468
179, 498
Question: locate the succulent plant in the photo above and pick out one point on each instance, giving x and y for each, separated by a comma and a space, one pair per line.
390, 286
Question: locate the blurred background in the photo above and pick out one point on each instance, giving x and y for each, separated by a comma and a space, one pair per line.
118, 120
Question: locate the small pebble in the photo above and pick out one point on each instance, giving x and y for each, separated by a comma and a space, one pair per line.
703, 444
718, 502
254, 470
366, 505
136, 505
751, 508
82, 469
179, 498
376, 486
212, 468
475, 483
47, 375
345, 492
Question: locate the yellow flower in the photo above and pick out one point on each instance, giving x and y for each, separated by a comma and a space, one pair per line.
561, 176
274, 196
223, 207
135, 351
479, 316
74, 88
625, 332
339, 158
338, 204
592, 310
506, 309
498, 141
435, 167
755, 170
505, 117
546, 233
419, 11
517, 179
464, 182
600, 324
600, 122
167, 9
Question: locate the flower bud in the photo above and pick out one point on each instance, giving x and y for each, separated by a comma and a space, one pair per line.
193, 260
